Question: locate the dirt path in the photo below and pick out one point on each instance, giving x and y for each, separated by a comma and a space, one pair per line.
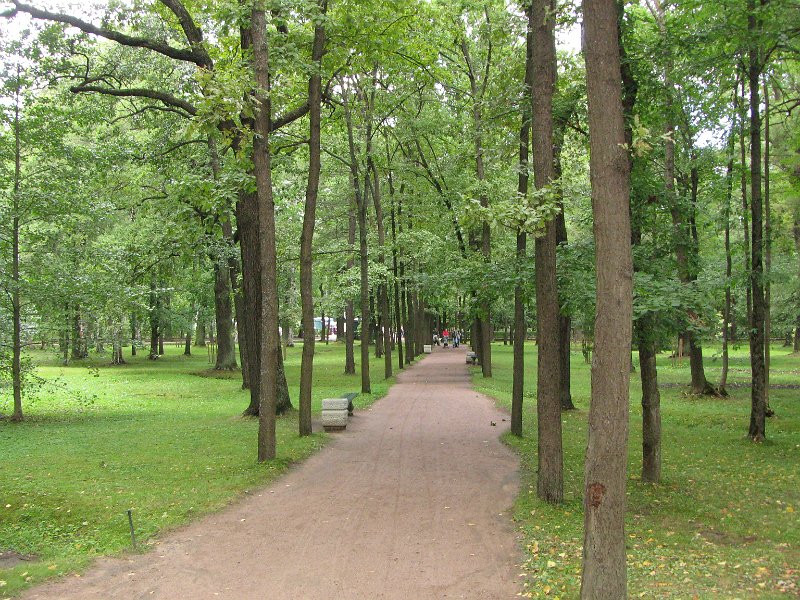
410, 502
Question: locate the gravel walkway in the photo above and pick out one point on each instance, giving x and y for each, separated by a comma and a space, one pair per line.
411, 502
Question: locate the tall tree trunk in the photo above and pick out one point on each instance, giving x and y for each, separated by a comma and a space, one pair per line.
700, 384
361, 209
249, 329
398, 298
134, 333
384, 330
155, 308
477, 92
745, 205
200, 332
67, 325
78, 345
16, 307
309, 219
373, 324
223, 311
564, 320
518, 380
116, 346
270, 340
685, 232
238, 303
796, 236
339, 327
604, 569
564, 330
248, 219
767, 252
757, 431
187, 346
550, 478
408, 311
349, 310
645, 325
726, 312
411, 311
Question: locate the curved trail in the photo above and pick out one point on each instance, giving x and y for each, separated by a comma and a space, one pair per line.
410, 502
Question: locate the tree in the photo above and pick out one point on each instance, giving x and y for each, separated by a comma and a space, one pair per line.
309, 217
604, 571
550, 480
757, 431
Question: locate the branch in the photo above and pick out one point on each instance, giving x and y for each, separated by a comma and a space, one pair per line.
488, 65
174, 147
183, 54
193, 33
289, 117
167, 99
144, 109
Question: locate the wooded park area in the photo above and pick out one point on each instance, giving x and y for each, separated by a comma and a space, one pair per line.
607, 190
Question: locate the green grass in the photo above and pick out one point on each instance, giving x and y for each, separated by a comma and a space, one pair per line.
724, 521
162, 438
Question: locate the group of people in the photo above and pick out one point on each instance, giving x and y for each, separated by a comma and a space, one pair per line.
447, 337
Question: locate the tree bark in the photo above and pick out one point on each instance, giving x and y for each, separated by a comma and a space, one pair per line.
644, 326
477, 92
238, 303
16, 307
270, 340
700, 384
564, 321
155, 308
796, 236
200, 332
518, 377
745, 205
249, 328
685, 231
651, 401
223, 311
767, 253
399, 303
550, 478
134, 331
349, 309
309, 219
604, 569
361, 209
384, 330
726, 311
78, 340
757, 431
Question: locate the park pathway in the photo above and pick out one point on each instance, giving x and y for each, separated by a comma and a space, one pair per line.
411, 502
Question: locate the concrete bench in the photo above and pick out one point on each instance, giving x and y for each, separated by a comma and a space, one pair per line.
472, 358
334, 413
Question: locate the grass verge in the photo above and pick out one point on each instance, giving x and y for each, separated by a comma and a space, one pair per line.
155, 437
724, 521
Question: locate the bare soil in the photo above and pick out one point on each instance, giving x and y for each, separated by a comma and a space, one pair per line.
411, 502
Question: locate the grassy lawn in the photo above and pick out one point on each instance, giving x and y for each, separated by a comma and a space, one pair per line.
725, 521
161, 438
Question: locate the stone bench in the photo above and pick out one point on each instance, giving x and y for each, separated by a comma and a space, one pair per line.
334, 413
472, 358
